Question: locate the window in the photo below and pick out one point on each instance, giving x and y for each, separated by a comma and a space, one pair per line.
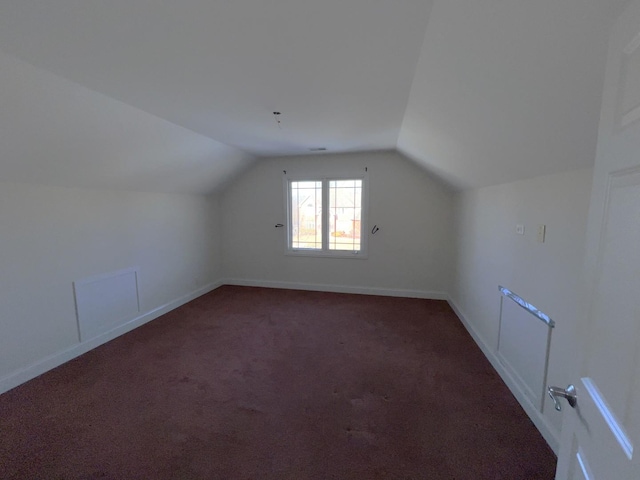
326, 216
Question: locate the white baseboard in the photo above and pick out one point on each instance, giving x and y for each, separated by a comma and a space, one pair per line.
541, 423
317, 287
41, 366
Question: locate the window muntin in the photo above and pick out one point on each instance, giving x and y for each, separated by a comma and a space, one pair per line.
326, 216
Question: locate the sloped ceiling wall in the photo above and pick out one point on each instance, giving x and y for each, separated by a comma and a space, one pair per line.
507, 90
56, 132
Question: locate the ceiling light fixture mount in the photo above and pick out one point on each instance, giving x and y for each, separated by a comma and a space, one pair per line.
276, 116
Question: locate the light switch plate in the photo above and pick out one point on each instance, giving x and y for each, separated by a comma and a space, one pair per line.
542, 230
520, 229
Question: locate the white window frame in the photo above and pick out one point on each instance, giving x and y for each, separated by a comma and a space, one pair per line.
325, 251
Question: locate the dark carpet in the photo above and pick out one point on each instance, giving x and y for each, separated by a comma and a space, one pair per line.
250, 383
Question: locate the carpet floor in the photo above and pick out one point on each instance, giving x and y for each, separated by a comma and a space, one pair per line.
251, 383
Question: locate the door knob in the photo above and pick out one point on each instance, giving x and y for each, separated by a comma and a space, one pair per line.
569, 393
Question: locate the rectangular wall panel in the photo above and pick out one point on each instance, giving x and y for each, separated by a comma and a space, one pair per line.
523, 348
106, 301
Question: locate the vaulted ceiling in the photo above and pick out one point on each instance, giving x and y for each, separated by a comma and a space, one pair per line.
477, 92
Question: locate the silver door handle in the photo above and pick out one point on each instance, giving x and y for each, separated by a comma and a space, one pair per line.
569, 393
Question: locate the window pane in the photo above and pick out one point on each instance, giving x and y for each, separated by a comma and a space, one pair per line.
345, 183
345, 214
306, 215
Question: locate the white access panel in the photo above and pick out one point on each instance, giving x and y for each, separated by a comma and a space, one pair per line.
103, 302
523, 345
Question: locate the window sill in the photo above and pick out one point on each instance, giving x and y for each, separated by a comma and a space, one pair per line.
316, 254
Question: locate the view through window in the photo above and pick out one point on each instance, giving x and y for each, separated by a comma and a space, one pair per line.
306, 215
345, 210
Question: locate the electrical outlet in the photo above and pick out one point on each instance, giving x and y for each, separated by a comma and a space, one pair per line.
542, 230
520, 229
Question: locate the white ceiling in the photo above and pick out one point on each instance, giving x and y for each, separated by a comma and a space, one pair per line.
339, 71
477, 92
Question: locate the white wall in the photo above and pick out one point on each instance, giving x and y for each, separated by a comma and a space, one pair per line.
52, 236
70, 160
548, 275
411, 254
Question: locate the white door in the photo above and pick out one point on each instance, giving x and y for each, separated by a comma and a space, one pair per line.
601, 436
